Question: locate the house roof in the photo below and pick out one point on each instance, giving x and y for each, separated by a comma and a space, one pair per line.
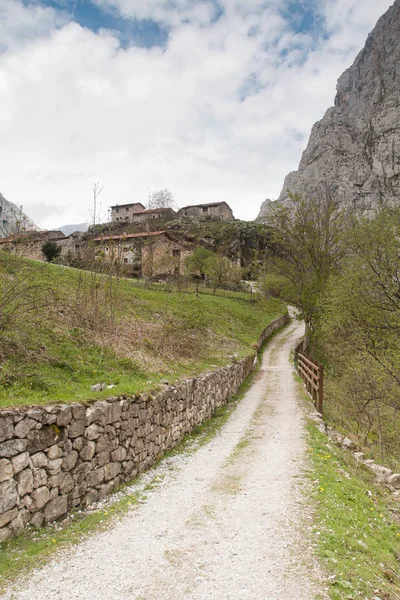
125, 205
201, 205
127, 236
34, 236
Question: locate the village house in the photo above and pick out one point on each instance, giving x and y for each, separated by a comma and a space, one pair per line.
218, 211
148, 254
125, 212
29, 243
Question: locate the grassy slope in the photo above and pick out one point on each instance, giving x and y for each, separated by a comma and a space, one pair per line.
60, 347
358, 539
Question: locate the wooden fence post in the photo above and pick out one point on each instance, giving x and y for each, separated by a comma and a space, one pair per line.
321, 390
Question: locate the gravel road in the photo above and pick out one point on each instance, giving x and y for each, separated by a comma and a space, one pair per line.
227, 522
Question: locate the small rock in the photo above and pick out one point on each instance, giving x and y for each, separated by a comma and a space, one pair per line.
6, 470
346, 443
98, 387
20, 462
394, 481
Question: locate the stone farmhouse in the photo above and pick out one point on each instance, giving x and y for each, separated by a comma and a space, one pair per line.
137, 213
29, 244
148, 254
219, 211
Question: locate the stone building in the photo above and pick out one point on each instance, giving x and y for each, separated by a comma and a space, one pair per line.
125, 212
29, 244
151, 254
215, 211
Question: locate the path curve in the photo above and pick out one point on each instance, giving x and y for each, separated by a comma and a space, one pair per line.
228, 522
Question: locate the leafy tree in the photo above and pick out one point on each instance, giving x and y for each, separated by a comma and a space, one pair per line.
161, 199
51, 251
307, 249
360, 330
221, 271
196, 262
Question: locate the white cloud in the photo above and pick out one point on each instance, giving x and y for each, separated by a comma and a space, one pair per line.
75, 107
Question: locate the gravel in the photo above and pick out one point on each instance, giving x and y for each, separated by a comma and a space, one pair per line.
229, 521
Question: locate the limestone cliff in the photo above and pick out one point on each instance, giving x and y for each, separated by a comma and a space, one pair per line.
12, 219
354, 151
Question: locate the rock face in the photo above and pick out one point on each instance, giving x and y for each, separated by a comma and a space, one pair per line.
12, 219
354, 152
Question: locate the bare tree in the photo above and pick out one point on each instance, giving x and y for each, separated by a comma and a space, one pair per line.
161, 199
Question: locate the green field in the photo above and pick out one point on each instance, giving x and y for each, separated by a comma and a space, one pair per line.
63, 330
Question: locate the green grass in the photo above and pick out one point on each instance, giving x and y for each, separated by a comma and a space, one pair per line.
358, 539
33, 548
58, 346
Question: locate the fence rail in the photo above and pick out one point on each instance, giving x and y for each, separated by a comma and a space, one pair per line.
312, 373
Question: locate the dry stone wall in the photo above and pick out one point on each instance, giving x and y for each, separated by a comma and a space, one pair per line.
56, 457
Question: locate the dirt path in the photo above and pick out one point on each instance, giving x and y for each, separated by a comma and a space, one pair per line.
227, 522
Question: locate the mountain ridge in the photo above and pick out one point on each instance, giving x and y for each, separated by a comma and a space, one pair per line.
353, 153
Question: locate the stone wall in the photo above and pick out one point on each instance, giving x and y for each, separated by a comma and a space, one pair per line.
56, 457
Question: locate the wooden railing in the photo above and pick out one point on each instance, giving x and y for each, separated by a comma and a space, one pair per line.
312, 374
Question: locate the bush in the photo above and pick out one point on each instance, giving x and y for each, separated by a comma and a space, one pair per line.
51, 251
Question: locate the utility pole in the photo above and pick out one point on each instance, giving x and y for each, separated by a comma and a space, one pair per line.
96, 192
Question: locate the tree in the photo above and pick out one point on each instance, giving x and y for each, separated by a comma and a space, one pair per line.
360, 331
196, 264
219, 270
307, 249
51, 251
161, 199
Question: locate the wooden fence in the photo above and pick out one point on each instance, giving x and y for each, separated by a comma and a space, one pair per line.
312, 374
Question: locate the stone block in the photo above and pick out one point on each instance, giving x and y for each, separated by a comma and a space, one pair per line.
54, 452
78, 411
39, 439
119, 454
6, 470
69, 461
102, 458
20, 462
76, 429
5, 534
40, 497
95, 477
39, 477
25, 482
56, 508
22, 429
111, 470
88, 451
8, 495
54, 466
78, 443
93, 432
37, 520
67, 484
64, 416
394, 481
39, 460
6, 428
11, 448
8, 517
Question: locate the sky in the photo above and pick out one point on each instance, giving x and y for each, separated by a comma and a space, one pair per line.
212, 99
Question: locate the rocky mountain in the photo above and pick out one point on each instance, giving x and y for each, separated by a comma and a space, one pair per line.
68, 229
353, 153
12, 219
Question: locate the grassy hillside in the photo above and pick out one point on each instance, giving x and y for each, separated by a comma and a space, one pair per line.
63, 330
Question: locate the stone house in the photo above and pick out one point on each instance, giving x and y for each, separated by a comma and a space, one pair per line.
125, 212
29, 244
151, 254
218, 211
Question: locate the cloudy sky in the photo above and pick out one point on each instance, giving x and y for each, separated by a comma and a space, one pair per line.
212, 99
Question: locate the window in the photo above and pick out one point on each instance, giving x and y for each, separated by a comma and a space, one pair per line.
185, 214
176, 253
205, 209
117, 210
127, 208
125, 261
126, 218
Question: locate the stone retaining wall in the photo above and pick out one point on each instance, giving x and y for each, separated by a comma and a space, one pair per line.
56, 457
